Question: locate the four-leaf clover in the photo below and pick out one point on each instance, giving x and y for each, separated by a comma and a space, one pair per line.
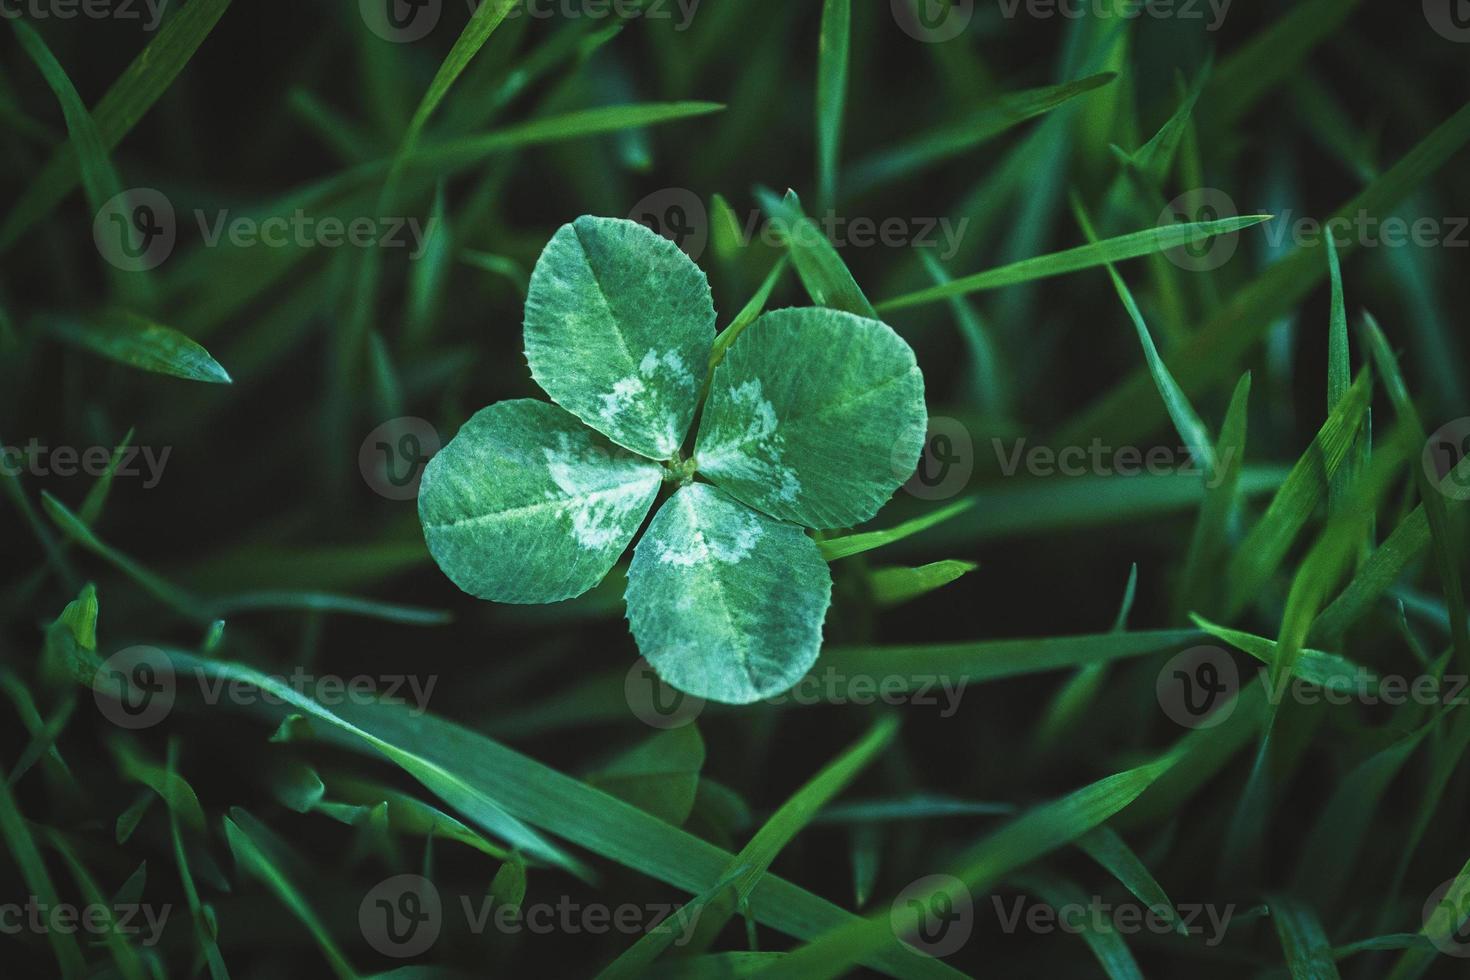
813, 419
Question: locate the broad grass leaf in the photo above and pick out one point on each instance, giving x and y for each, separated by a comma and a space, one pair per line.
659, 775
847, 545
892, 586
1107, 848
478, 776
1106, 942
815, 416
725, 602
1308, 953
526, 504
619, 327
139, 342
827, 278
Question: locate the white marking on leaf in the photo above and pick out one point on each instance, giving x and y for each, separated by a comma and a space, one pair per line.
623, 396
647, 397
599, 491
757, 452
729, 543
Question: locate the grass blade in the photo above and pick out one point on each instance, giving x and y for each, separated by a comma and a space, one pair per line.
825, 276
1130, 246
118, 111
22, 846
894, 586
139, 342
832, 63
264, 856
1186, 420
1107, 945
1264, 548
1030, 836
1221, 498
1308, 953
988, 121
1441, 533
1125, 413
460, 765
788, 821
847, 545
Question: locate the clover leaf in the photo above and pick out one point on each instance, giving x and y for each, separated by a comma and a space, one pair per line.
814, 418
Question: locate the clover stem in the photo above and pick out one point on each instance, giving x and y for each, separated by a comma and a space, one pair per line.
680, 470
